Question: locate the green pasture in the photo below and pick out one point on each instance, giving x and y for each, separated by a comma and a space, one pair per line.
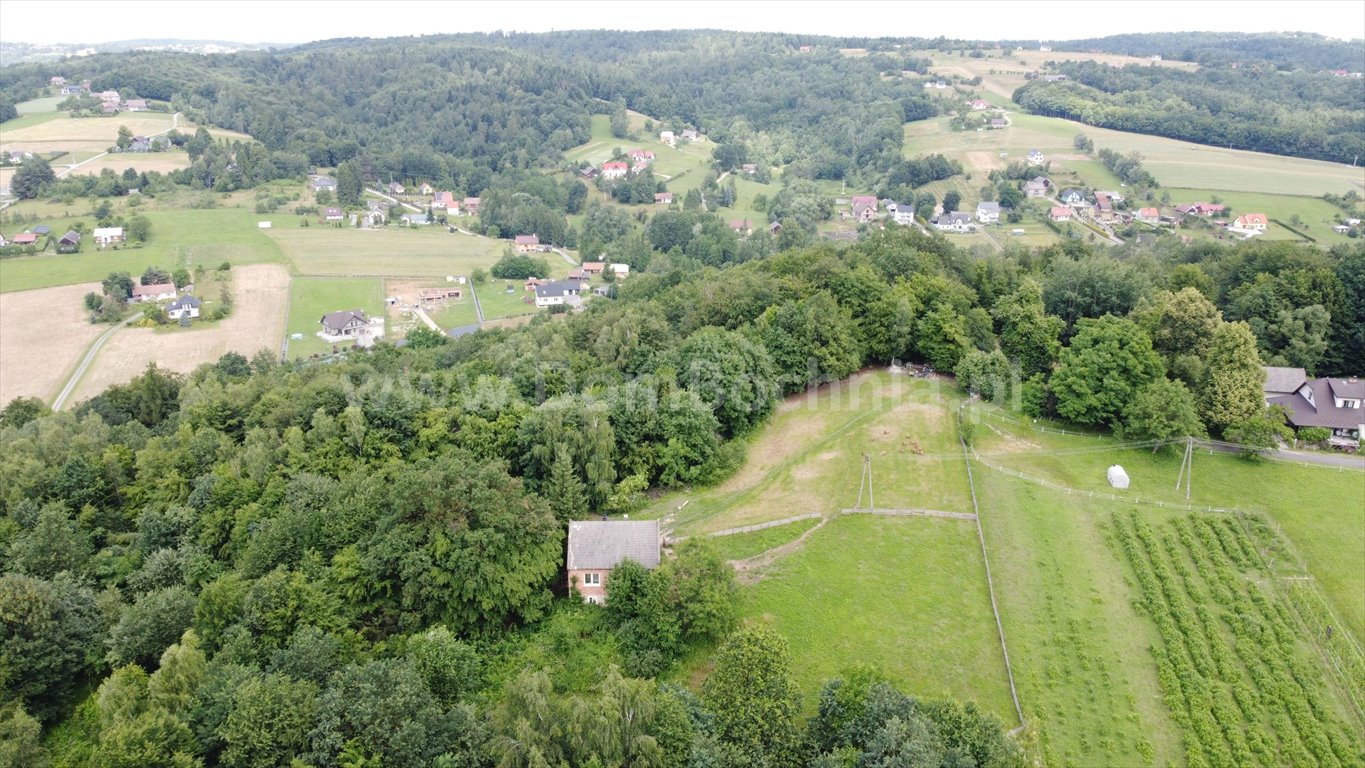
1318, 215
907, 595
455, 314
45, 104
497, 302
312, 297
740, 546
388, 251
27, 119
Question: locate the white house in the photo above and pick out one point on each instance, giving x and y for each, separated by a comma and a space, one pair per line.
903, 213
108, 235
1252, 221
153, 292
559, 292
621, 271
988, 212
185, 306
668, 138
957, 221
1035, 157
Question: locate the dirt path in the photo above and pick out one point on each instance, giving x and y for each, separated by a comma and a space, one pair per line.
260, 295
750, 570
88, 359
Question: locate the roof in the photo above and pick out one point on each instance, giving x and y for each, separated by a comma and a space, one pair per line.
864, 200
108, 232
610, 165
987, 206
1279, 379
1148, 213
558, 288
71, 236
332, 212
1252, 218
605, 543
1059, 211
41, 229
1353, 389
1072, 193
140, 103
1326, 414
338, 320
471, 201
155, 289
25, 237
597, 265
956, 217
185, 301
528, 240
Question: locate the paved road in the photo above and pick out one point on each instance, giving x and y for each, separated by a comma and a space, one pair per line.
566, 257
85, 363
478, 308
1302, 457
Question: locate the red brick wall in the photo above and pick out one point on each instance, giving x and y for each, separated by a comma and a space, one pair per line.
591, 593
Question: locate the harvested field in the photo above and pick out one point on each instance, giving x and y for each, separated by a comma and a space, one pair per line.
164, 162
83, 134
44, 334
256, 323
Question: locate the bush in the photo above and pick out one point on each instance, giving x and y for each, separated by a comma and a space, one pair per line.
519, 266
1314, 434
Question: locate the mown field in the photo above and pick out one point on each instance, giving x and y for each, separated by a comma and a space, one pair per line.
312, 297
1227, 667
1317, 215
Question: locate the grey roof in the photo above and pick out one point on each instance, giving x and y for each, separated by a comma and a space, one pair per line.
605, 543
956, 217
988, 207
335, 321
71, 237
1072, 192
1283, 380
41, 229
559, 288
1326, 414
184, 301
462, 330
1353, 389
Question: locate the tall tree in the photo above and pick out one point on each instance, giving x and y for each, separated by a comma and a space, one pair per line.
32, 177
1108, 361
754, 698
1234, 386
1162, 410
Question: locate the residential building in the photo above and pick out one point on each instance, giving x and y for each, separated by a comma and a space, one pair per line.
56, 80
70, 242
988, 212
416, 219
323, 183
598, 546
135, 105
25, 238
1036, 187
1252, 221
1335, 404
614, 169
1035, 157
471, 206
109, 96
668, 138
749, 168
904, 213
332, 214
528, 243
107, 235
1060, 213
185, 306
999, 122
153, 292
425, 189
622, 271
559, 292
1200, 209
1149, 215
663, 198
692, 135
395, 188
977, 105
347, 323
1072, 197
593, 267
443, 202
957, 221
743, 227
641, 155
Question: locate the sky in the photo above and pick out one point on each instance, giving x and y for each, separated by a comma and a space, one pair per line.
286, 21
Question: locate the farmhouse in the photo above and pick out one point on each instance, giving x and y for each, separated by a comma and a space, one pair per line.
416, 219
347, 323
1060, 213
25, 238
331, 214
1200, 209
641, 155
56, 80
593, 267
1036, 187
663, 198
67, 90
988, 212
1149, 215
528, 243
471, 206
443, 201
978, 105
1072, 197
614, 169
559, 292
1334, 404
153, 292
598, 546
185, 306
957, 221
109, 96
622, 271
395, 188
692, 135
323, 183
425, 189
1035, 157
749, 168
904, 213
742, 227
135, 105
1253, 221
107, 235
1104, 207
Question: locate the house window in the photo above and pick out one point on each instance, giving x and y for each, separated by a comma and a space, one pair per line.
592, 579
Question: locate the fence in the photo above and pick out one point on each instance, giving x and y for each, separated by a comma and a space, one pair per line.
909, 513
763, 526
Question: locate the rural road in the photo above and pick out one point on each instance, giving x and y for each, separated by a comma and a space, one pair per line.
424, 317
86, 361
394, 200
566, 257
478, 308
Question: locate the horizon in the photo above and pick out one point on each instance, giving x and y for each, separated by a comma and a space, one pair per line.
992, 20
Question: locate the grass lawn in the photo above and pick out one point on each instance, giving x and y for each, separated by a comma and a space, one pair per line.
390, 251
455, 314
1318, 215
178, 238
744, 545
312, 297
27, 120
498, 303
809, 457
907, 595
46, 104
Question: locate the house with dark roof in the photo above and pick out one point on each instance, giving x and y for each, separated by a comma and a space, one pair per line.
1036, 187
957, 221
320, 183
663, 198
1072, 197
348, 323
185, 306
1335, 404
135, 105
70, 242
988, 212
598, 546
528, 243
903, 213
559, 292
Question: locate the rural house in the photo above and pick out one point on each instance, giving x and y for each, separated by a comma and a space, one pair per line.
185, 306
979, 104
668, 138
331, 214
692, 135
663, 198
1149, 216
443, 201
559, 292
1334, 404
425, 189
109, 96
416, 219
622, 271
1253, 221
395, 188
741, 226
528, 243
70, 242
904, 213
107, 235
25, 238
999, 122
135, 105
1036, 187
593, 267
347, 323
471, 206
957, 221
749, 168
1060, 213
56, 80
614, 169
153, 292
641, 155
323, 183
988, 212
598, 546
1072, 197
1035, 157
1200, 209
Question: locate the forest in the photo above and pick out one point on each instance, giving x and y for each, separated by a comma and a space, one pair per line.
361, 563
1283, 50
1297, 113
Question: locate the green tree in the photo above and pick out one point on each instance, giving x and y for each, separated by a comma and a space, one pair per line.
1109, 360
732, 374
150, 625
22, 410
1180, 323
528, 723
985, 373
1162, 410
951, 200
118, 285
1233, 389
139, 229
20, 739
1263, 430
50, 639
125, 137
52, 546
450, 667
154, 276
422, 337
178, 676
153, 739
564, 489
1091, 286
1028, 335
619, 121
809, 340
755, 700
701, 586
1300, 337
32, 177
350, 183
269, 722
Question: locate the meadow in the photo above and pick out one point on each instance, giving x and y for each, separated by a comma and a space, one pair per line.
1318, 216
312, 297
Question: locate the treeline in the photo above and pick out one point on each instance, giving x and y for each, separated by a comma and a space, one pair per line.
1284, 50
1300, 114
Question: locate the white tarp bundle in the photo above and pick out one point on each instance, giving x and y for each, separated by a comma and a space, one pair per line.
1117, 477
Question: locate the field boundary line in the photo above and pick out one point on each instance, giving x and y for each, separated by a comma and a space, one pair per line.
762, 526
909, 512
990, 583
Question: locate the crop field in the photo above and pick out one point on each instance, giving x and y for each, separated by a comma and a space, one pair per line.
312, 297
256, 323
44, 334
1002, 72
70, 134
162, 162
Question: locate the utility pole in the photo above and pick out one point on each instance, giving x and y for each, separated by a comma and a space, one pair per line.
1186, 468
866, 482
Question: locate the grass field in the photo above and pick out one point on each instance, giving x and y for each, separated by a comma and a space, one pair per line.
497, 302
38, 106
388, 252
1318, 215
312, 297
743, 545
682, 168
907, 595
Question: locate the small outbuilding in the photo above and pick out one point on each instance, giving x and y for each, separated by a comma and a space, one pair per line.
1118, 478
